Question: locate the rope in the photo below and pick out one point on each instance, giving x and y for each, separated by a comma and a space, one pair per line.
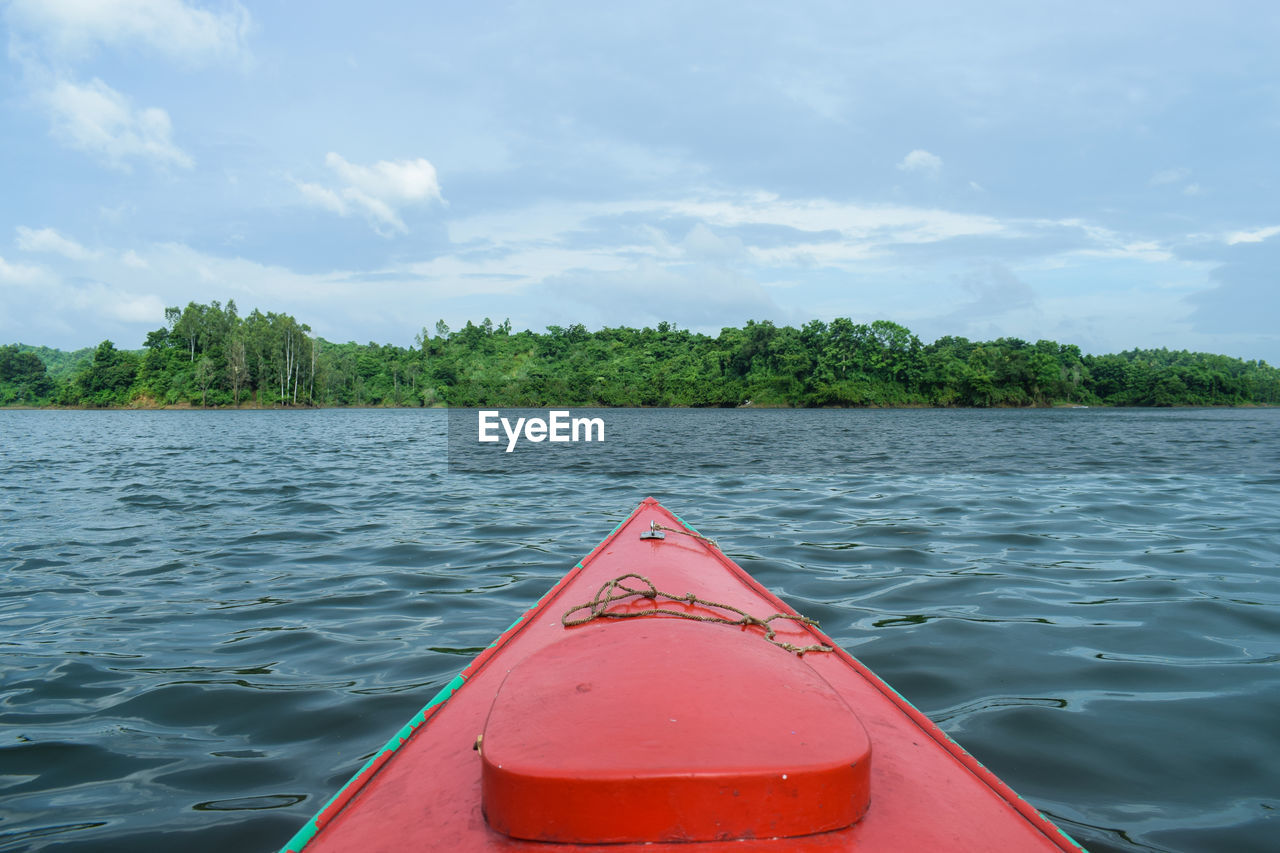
618, 589
653, 525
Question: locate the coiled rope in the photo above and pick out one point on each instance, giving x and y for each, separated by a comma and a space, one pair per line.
618, 589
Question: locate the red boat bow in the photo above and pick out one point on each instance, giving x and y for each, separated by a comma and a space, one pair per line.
671, 734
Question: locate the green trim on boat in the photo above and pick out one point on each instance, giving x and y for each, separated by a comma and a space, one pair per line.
523, 616
687, 525
309, 830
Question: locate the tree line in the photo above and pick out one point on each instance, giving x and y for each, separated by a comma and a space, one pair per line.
211, 356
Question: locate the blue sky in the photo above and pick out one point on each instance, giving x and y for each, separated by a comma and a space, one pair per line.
1097, 173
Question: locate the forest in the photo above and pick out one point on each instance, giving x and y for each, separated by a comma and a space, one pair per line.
211, 356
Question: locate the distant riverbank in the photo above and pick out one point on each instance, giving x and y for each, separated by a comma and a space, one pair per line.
208, 356
255, 407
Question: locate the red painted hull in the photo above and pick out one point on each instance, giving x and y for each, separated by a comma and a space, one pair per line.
425, 789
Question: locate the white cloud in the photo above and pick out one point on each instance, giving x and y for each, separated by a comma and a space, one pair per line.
702, 244
510, 271
921, 161
403, 180
323, 197
1149, 251
98, 119
700, 296
378, 191
879, 224
18, 273
50, 38
832, 233
1255, 236
102, 300
134, 260
69, 28
49, 240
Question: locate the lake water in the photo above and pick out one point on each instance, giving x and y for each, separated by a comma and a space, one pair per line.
208, 620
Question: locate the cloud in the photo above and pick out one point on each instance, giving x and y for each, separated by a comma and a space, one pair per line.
99, 120
1100, 242
378, 191
867, 222
1257, 235
49, 240
323, 197
1245, 298
995, 292
69, 29
18, 273
921, 161
702, 244
508, 271
701, 296
996, 289
49, 39
406, 180
761, 231
120, 295
102, 300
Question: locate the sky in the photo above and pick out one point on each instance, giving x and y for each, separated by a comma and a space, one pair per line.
1105, 174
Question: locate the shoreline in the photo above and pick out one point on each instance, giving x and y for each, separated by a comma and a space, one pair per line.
184, 407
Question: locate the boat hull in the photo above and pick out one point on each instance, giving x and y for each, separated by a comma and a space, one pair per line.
426, 789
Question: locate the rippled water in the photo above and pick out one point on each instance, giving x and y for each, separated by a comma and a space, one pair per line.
208, 620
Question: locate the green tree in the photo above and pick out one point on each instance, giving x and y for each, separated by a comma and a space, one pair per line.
23, 377
108, 379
